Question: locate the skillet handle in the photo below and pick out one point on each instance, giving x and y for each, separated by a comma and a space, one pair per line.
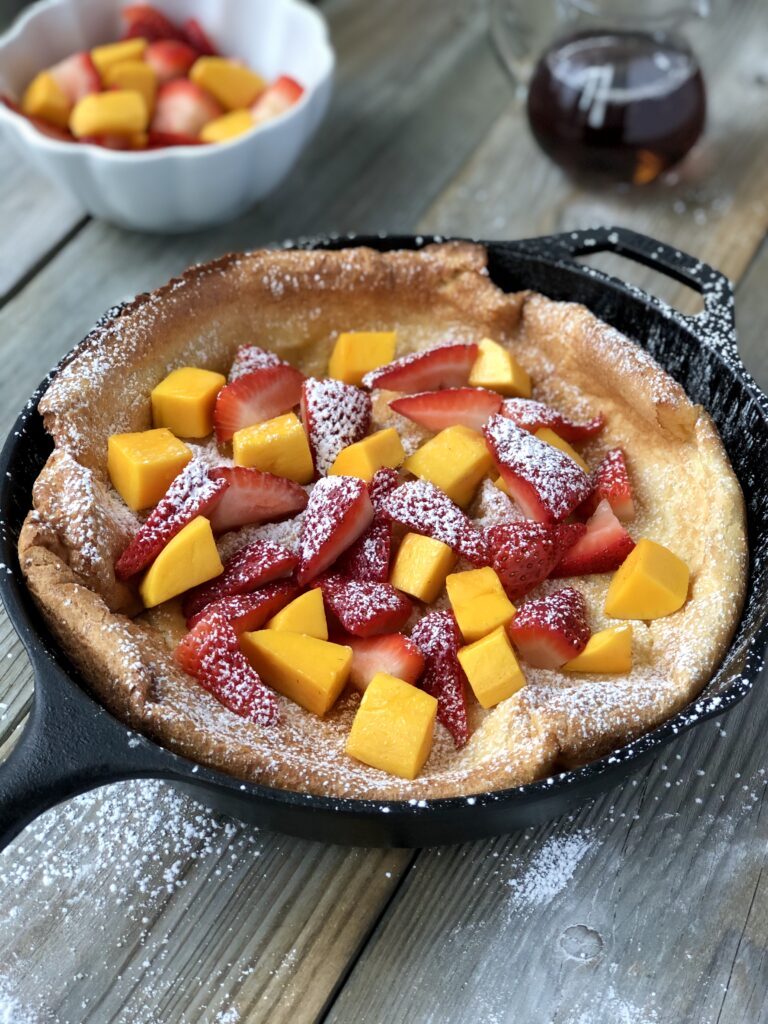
716, 323
69, 745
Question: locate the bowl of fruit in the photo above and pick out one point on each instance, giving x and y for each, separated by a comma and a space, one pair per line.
165, 117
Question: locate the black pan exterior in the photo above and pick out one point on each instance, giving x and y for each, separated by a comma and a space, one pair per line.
72, 744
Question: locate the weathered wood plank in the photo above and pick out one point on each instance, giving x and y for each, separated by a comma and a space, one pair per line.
136, 904
645, 907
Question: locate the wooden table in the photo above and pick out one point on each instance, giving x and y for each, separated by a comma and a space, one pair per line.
134, 904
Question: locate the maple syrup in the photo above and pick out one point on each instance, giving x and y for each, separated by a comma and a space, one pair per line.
624, 105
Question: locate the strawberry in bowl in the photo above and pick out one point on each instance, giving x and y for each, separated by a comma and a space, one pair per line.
222, 93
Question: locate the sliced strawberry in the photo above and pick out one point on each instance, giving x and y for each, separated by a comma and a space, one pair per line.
193, 493
252, 357
436, 410
391, 652
545, 482
437, 637
384, 481
211, 653
183, 108
159, 140
76, 76
249, 568
249, 611
335, 415
364, 608
254, 497
532, 415
611, 481
424, 508
198, 38
446, 366
146, 22
339, 510
368, 558
256, 397
524, 553
276, 99
551, 630
169, 59
603, 547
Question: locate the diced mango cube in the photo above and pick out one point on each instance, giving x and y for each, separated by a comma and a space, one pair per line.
421, 566
106, 56
455, 460
309, 671
228, 126
650, 583
142, 465
135, 75
117, 112
233, 85
610, 650
393, 727
189, 558
277, 446
357, 352
550, 437
184, 401
499, 482
479, 602
305, 614
492, 668
363, 458
45, 98
497, 369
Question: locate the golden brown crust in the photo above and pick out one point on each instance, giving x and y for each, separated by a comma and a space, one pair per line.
295, 303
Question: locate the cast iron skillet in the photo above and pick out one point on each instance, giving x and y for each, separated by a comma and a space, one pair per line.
71, 744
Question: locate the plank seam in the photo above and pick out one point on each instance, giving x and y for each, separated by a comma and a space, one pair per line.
51, 254
324, 1015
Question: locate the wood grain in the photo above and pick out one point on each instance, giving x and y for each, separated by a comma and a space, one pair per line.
178, 915
647, 907
134, 905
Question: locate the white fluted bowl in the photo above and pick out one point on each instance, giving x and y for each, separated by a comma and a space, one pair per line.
181, 188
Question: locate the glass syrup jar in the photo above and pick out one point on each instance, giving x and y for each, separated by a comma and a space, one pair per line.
617, 93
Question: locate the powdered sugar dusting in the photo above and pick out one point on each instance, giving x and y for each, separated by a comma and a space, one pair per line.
12, 1011
559, 484
250, 567
249, 358
548, 872
424, 508
191, 494
335, 500
531, 415
437, 637
365, 608
287, 533
335, 415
